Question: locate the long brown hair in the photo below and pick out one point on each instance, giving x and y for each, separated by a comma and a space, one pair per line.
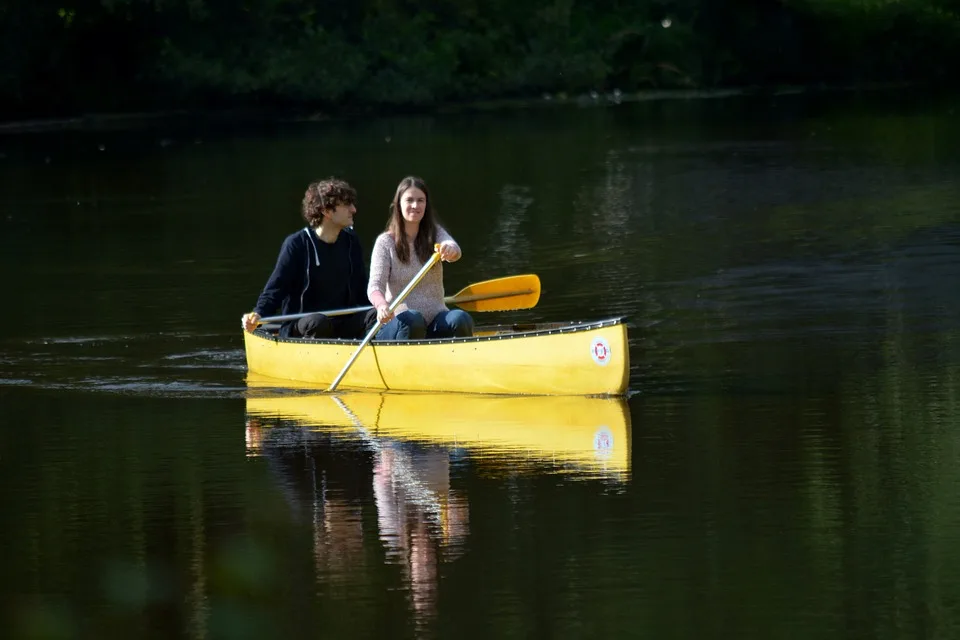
426, 233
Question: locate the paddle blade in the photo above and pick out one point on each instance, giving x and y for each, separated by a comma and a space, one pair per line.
500, 294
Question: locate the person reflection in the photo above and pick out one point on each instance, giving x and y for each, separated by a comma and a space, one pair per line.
324, 484
423, 522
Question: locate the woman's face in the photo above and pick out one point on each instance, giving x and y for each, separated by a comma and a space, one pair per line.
413, 204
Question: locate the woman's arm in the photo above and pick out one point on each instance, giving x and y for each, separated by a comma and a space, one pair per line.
449, 249
379, 274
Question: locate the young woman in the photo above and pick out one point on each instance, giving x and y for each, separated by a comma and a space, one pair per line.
398, 254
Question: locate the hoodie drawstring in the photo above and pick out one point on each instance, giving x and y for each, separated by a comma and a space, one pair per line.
316, 254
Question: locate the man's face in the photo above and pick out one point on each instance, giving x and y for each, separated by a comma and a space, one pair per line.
342, 216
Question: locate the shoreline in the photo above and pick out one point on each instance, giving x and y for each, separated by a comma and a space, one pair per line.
98, 122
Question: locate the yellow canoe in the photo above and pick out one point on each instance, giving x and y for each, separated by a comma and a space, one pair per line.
575, 358
574, 433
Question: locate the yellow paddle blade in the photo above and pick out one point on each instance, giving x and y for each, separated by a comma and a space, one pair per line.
500, 294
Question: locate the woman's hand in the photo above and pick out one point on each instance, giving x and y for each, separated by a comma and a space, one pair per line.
449, 251
250, 321
384, 315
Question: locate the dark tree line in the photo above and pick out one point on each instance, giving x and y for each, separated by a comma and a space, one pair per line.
64, 57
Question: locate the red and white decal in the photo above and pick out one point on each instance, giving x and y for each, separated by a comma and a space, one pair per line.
600, 351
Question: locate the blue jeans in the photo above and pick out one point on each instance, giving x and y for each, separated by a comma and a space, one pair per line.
410, 325
455, 323
407, 325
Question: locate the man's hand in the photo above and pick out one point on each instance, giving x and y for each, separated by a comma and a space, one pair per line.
250, 321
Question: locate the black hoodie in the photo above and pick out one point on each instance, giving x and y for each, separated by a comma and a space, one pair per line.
293, 285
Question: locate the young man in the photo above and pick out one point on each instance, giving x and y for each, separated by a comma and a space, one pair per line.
320, 268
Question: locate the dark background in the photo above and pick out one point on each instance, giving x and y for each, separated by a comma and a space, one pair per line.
71, 57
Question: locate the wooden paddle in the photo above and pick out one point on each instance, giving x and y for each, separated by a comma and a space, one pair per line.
499, 294
434, 259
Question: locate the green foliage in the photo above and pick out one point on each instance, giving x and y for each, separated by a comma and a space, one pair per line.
411, 61
316, 67
79, 55
67, 15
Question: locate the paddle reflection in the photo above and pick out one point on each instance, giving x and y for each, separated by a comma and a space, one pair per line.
422, 521
339, 457
332, 481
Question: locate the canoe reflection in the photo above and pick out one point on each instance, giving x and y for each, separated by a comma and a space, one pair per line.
326, 448
567, 434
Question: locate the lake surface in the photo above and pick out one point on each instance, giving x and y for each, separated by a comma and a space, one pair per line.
785, 465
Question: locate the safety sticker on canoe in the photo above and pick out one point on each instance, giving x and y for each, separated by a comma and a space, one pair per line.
603, 442
600, 351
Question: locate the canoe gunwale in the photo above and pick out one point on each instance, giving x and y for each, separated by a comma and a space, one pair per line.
575, 326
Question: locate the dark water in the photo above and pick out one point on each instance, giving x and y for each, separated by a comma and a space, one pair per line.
790, 269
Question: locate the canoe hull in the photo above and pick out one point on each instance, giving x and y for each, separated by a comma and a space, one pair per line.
570, 359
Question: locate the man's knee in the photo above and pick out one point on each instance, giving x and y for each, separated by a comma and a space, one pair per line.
315, 325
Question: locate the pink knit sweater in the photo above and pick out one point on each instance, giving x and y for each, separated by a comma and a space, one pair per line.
389, 276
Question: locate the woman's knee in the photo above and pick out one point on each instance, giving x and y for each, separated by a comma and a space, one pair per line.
413, 326
452, 324
408, 325
461, 323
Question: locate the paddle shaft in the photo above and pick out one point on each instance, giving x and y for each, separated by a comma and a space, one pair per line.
447, 300
434, 259
400, 466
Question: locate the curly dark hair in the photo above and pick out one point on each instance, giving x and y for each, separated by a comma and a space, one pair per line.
325, 195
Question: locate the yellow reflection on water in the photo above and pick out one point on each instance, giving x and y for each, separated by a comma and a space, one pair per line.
422, 521
577, 435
